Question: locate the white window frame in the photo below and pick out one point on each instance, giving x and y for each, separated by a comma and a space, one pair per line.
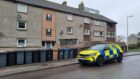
70, 17
96, 22
71, 30
111, 34
86, 32
22, 28
86, 20
25, 43
97, 33
22, 8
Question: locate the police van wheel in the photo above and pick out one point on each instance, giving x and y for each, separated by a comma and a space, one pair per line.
120, 58
100, 61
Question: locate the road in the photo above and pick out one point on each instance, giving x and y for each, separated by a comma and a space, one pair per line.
129, 69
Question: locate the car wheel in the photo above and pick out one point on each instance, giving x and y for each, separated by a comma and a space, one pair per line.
100, 61
120, 58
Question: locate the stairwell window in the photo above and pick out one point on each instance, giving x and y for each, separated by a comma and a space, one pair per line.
22, 25
48, 32
49, 17
21, 42
22, 8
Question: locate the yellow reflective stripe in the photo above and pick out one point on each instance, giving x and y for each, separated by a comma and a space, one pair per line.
96, 56
114, 51
107, 53
111, 56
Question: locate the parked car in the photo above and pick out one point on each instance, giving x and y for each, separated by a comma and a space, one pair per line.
100, 53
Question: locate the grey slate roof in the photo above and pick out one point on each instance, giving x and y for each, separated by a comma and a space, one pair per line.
66, 9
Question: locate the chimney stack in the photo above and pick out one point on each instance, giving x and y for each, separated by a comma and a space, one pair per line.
81, 6
64, 3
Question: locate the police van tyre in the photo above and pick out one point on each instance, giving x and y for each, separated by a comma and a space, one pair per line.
100, 61
120, 58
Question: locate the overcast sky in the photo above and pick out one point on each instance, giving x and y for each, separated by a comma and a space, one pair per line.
117, 10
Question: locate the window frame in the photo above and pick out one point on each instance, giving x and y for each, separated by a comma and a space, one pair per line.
25, 8
86, 20
98, 33
71, 30
48, 33
47, 17
22, 28
25, 43
69, 17
87, 32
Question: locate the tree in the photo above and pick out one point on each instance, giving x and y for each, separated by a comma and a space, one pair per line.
120, 38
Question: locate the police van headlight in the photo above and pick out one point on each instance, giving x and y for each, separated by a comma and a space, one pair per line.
92, 55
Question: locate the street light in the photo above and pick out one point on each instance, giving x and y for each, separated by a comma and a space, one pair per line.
128, 30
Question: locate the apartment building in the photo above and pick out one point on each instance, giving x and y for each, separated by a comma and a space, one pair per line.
46, 24
20, 25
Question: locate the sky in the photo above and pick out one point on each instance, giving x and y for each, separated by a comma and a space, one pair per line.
117, 10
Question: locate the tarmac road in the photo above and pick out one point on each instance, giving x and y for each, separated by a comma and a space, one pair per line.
129, 69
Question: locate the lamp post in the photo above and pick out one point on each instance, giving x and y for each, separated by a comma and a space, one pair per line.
128, 30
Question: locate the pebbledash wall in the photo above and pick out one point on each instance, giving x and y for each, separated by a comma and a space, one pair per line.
37, 25
9, 17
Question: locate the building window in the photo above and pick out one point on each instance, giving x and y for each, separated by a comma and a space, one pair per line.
68, 41
98, 33
86, 20
69, 30
22, 25
86, 32
111, 34
49, 17
99, 23
48, 32
22, 8
69, 17
21, 43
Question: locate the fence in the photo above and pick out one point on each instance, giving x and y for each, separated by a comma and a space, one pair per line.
34, 56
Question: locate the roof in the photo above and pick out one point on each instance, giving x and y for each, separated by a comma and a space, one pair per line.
66, 9
135, 35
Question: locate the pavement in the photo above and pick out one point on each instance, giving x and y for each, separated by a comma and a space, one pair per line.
7, 71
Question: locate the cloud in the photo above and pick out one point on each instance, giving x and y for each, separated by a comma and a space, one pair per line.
117, 10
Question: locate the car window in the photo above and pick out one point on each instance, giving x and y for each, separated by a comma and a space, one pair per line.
99, 47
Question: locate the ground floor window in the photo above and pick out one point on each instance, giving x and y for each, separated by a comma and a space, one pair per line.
68, 41
21, 42
48, 44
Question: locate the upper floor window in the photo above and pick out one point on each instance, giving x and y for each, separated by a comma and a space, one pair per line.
99, 23
111, 34
21, 42
69, 30
86, 20
22, 25
48, 32
86, 32
69, 17
49, 17
22, 8
98, 33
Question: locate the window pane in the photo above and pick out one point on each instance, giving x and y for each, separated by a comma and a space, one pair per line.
49, 32
22, 8
49, 17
